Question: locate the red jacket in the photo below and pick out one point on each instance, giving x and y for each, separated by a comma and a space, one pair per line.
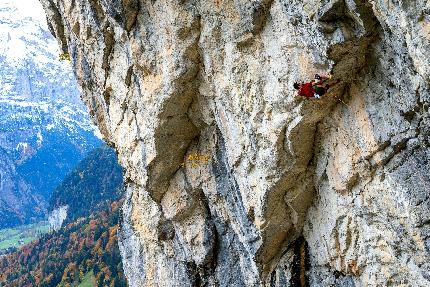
306, 90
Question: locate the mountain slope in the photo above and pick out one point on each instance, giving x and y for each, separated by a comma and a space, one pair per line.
91, 186
45, 130
18, 201
62, 258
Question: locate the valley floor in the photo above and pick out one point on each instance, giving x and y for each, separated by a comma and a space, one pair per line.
21, 235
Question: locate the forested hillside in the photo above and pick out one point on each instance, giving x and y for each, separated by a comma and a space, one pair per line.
69, 256
91, 186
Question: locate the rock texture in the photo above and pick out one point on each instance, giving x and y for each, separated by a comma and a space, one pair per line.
57, 217
231, 180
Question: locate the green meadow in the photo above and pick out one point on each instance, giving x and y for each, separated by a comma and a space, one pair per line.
18, 236
88, 280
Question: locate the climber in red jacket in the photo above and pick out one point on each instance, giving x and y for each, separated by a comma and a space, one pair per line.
314, 89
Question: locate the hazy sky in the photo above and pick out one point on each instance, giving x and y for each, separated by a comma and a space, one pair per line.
29, 8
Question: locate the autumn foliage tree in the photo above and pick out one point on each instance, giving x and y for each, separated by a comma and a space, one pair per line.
63, 258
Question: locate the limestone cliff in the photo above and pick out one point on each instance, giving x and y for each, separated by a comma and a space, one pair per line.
231, 180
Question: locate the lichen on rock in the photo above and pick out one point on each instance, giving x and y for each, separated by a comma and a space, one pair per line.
293, 192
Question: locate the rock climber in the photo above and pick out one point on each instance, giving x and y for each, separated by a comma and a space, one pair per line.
314, 89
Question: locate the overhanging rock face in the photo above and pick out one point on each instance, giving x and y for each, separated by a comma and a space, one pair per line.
231, 180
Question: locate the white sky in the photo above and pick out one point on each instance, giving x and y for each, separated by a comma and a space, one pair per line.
29, 8
14, 41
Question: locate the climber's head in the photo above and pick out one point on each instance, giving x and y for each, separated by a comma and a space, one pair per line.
296, 86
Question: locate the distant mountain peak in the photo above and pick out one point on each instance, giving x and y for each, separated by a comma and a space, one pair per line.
45, 129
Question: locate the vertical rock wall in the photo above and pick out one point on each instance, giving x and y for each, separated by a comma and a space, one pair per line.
231, 180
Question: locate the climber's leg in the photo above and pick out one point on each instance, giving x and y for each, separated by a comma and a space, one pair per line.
319, 91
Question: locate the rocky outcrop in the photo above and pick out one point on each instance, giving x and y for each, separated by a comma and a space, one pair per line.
231, 180
57, 217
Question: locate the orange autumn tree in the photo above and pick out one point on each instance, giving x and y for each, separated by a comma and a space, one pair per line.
62, 258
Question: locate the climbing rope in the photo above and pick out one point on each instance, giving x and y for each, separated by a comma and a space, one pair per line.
343, 102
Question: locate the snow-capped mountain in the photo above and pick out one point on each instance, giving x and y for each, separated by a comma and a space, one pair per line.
44, 127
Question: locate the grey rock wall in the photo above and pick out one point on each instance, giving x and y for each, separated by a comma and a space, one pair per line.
232, 180
57, 217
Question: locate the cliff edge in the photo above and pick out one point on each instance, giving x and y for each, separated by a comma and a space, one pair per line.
233, 181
